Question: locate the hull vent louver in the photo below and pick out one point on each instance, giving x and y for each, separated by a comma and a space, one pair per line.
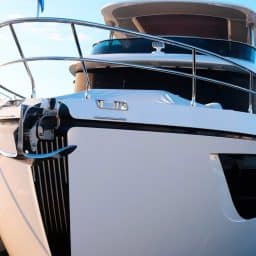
52, 189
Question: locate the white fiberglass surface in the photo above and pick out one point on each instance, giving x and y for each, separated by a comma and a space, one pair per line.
149, 193
160, 108
21, 226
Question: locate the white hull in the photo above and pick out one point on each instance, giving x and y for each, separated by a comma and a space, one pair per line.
151, 188
151, 193
136, 193
21, 226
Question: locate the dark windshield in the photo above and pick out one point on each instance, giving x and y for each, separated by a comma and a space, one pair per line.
141, 45
129, 78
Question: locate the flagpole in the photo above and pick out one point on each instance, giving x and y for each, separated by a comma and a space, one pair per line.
38, 7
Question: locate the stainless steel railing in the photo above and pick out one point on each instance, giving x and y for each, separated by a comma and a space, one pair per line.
73, 23
33, 94
8, 91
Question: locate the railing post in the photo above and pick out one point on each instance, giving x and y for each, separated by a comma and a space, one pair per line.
83, 61
33, 94
250, 110
88, 85
193, 100
251, 35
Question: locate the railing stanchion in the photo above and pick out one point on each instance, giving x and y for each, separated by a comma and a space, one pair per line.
250, 93
193, 76
33, 94
86, 76
193, 101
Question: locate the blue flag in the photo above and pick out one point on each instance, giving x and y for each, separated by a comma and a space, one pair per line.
41, 4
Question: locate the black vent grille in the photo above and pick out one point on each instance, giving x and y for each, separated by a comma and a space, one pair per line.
52, 189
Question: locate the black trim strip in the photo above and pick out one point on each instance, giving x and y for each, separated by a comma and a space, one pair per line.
154, 128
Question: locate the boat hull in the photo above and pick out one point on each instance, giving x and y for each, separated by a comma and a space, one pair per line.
154, 193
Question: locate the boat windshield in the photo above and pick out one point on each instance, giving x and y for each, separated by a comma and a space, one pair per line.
140, 45
129, 78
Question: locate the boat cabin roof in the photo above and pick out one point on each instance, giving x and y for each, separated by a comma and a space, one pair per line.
184, 18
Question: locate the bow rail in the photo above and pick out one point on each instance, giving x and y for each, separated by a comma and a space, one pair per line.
73, 23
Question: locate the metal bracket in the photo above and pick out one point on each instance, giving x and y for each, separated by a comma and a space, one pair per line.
54, 154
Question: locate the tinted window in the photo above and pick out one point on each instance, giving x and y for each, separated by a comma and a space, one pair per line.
140, 45
128, 78
240, 173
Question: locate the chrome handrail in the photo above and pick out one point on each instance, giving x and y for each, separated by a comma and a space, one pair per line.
33, 94
122, 30
74, 22
11, 92
138, 66
193, 100
81, 56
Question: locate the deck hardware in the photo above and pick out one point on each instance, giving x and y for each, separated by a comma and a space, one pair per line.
114, 105
53, 154
158, 46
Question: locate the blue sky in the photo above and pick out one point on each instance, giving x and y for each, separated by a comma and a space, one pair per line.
51, 78
73, 8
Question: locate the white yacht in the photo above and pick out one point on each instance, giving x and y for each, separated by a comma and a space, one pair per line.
155, 151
